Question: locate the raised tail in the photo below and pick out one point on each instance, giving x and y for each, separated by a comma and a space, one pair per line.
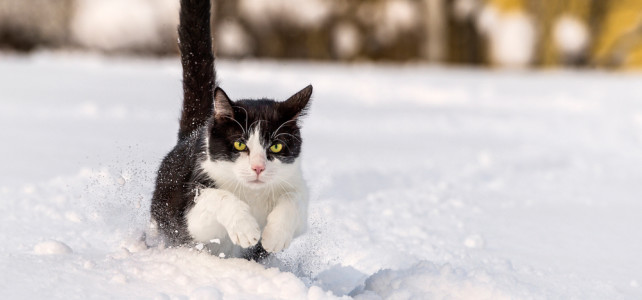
199, 77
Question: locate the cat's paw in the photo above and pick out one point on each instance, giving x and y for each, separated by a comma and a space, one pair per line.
244, 231
275, 239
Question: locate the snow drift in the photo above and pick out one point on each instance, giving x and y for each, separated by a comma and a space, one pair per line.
426, 183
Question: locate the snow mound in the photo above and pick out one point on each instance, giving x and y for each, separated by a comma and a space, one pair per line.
470, 184
206, 293
204, 276
426, 280
51, 247
474, 241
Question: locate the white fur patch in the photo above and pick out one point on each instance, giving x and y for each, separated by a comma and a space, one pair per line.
202, 221
278, 204
220, 216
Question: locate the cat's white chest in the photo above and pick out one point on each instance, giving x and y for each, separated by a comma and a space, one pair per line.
260, 201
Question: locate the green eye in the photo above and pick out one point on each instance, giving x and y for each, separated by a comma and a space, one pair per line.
239, 146
276, 148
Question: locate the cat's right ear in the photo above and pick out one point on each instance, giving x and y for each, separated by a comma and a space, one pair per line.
222, 105
297, 105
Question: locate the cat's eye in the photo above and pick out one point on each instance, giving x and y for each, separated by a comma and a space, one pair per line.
276, 148
239, 146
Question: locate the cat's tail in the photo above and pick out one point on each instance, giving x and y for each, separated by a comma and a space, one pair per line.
199, 76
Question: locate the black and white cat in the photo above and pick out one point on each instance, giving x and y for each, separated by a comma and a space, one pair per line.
233, 181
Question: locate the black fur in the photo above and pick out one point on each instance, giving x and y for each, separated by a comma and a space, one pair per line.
177, 182
199, 77
270, 115
210, 118
180, 176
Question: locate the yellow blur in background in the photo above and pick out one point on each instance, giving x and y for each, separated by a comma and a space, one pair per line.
494, 33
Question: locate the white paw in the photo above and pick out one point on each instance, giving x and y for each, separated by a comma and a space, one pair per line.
275, 239
244, 231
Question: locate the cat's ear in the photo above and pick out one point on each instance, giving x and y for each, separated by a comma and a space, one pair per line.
297, 105
222, 105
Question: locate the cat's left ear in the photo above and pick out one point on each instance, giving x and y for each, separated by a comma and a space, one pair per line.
222, 104
297, 105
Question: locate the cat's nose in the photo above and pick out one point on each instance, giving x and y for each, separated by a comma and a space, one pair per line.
258, 169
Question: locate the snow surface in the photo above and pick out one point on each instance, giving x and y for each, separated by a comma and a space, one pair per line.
426, 183
51, 247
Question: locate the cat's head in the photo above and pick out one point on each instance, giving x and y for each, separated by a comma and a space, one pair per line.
255, 143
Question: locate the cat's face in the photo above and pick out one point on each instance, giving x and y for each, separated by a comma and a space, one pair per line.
256, 143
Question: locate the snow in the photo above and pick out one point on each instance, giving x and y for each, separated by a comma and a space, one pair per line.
437, 282
426, 183
51, 247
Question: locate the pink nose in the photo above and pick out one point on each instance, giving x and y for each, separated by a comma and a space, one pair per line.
258, 169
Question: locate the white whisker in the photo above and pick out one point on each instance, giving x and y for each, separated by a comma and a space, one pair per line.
276, 136
285, 181
251, 125
237, 122
272, 190
282, 142
279, 128
246, 116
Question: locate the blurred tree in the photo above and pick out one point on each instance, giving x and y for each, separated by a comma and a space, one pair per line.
563, 31
27, 24
620, 40
465, 43
276, 29
435, 30
508, 5
506, 33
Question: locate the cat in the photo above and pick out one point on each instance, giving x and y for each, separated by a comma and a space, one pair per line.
233, 181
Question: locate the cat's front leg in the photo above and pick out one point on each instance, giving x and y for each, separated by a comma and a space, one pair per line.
283, 222
217, 212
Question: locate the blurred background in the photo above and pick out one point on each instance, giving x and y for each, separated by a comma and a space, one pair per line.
496, 33
421, 155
